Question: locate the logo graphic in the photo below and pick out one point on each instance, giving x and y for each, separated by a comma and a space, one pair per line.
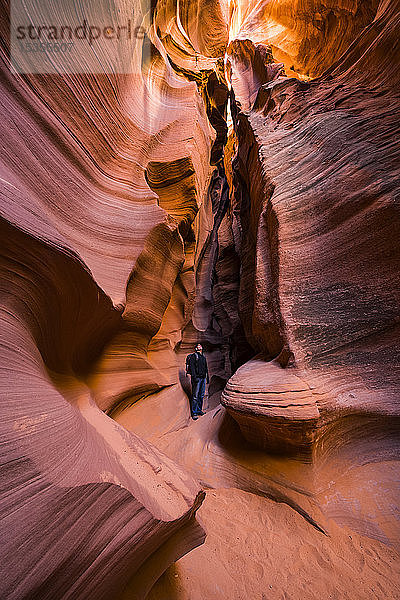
73, 36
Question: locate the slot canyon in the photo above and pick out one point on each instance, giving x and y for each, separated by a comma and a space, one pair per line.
236, 185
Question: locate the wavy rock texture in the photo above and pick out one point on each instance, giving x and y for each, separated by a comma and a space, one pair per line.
93, 267
330, 313
215, 193
319, 224
88, 501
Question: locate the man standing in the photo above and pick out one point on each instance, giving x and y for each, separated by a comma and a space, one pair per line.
196, 367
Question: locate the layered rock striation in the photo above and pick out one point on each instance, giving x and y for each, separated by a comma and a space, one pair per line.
316, 177
97, 282
213, 193
275, 410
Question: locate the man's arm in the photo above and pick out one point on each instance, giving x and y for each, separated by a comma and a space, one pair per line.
187, 365
208, 379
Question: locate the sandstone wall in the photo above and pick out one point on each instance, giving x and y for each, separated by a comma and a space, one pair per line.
214, 193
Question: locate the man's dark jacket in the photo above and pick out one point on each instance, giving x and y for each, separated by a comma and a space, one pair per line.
196, 366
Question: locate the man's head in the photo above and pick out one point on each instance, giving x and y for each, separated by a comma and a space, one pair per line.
199, 348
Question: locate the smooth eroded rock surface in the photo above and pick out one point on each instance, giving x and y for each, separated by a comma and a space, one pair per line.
237, 187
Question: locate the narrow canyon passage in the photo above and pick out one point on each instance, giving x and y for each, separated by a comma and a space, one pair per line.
237, 186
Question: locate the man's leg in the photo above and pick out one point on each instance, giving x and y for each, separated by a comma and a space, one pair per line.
195, 396
200, 395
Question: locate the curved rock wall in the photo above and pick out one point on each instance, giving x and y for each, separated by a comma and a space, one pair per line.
97, 282
79, 492
316, 176
204, 196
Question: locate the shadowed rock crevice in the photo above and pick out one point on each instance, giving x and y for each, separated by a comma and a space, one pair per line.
213, 193
259, 253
